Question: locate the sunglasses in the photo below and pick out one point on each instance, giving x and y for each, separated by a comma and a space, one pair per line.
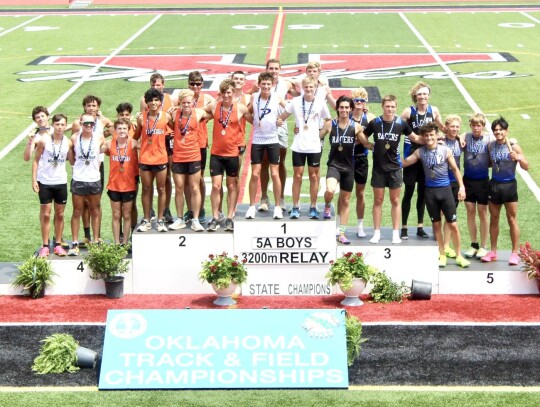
195, 83
359, 100
88, 123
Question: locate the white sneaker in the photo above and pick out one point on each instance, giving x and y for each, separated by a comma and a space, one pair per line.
278, 212
263, 207
360, 231
145, 226
196, 225
161, 227
178, 224
250, 214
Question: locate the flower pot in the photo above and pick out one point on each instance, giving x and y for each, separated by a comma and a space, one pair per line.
86, 358
114, 287
352, 294
224, 295
420, 290
38, 294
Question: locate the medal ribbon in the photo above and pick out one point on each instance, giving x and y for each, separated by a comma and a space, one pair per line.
391, 128
184, 130
87, 155
54, 155
149, 132
264, 109
225, 122
306, 118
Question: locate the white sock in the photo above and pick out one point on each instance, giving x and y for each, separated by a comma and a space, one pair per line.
360, 232
376, 237
395, 237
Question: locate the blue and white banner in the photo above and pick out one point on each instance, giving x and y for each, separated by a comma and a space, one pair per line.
210, 349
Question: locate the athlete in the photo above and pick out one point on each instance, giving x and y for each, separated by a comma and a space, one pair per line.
40, 115
345, 134
322, 89
416, 116
360, 115
200, 101
123, 174
265, 108
437, 160
49, 180
187, 158
157, 81
504, 158
308, 113
452, 126
280, 88
151, 130
476, 179
86, 183
387, 130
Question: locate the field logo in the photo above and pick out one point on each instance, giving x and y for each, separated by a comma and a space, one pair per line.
215, 68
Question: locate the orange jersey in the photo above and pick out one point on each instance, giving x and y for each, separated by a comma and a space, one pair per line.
122, 175
203, 130
226, 145
153, 151
186, 147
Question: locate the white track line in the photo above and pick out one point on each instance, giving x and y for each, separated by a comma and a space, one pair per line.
19, 26
524, 174
530, 17
76, 86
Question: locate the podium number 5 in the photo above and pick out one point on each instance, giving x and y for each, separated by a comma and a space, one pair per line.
490, 278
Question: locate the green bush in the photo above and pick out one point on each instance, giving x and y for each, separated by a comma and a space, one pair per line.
58, 354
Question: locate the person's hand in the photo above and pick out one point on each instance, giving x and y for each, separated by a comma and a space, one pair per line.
461, 194
35, 186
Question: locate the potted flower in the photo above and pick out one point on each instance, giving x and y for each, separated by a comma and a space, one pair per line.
352, 274
385, 290
106, 262
224, 273
62, 353
34, 275
531, 262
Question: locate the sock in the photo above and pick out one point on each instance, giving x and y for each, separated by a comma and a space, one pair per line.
475, 245
87, 233
342, 229
360, 222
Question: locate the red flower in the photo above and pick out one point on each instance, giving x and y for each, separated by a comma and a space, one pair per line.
244, 261
234, 263
211, 256
359, 254
348, 254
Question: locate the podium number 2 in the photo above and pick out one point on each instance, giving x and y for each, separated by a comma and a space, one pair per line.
182, 240
489, 278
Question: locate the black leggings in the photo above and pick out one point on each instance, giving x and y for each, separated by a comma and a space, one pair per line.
406, 203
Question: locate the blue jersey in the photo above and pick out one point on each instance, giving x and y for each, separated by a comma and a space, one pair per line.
503, 167
435, 163
359, 149
476, 157
415, 121
455, 148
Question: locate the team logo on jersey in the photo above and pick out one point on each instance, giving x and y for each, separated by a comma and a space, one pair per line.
215, 68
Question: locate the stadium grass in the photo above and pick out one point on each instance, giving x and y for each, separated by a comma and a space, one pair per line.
511, 97
330, 398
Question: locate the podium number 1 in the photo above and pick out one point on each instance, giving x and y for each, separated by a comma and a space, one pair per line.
284, 227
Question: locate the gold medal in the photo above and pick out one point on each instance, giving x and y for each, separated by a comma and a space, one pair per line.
121, 169
183, 141
223, 132
149, 141
340, 148
306, 127
432, 174
387, 146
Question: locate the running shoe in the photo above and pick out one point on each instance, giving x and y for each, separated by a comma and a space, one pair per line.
74, 250
196, 226
229, 225
161, 227
213, 225
44, 251
263, 207
295, 213
145, 226
188, 216
420, 232
491, 256
514, 259
481, 253
221, 218
462, 262
84, 242
471, 252
313, 213
250, 214
178, 224
59, 251
450, 253
404, 234
442, 260
278, 212
202, 217
168, 216
327, 214
343, 240
152, 215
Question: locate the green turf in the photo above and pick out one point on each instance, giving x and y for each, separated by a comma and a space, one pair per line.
273, 398
340, 33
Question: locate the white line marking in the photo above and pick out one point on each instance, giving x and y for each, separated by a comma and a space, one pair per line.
52, 323
526, 116
435, 323
6, 150
530, 17
483, 389
20, 25
524, 174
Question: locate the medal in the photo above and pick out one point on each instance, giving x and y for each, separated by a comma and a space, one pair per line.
55, 163
224, 122
304, 116
387, 146
87, 155
306, 127
340, 148
383, 134
432, 174
87, 162
223, 132
497, 167
122, 169
183, 141
149, 141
